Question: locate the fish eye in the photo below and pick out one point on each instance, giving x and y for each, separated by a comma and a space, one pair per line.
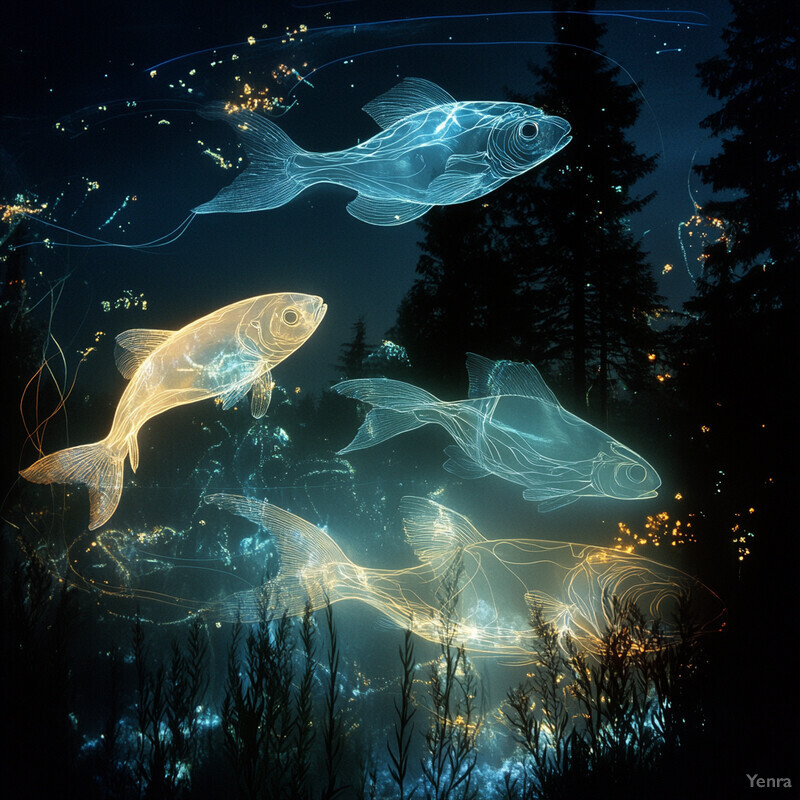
290, 317
528, 130
635, 473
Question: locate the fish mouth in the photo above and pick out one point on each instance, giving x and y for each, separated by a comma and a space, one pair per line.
564, 127
320, 313
562, 143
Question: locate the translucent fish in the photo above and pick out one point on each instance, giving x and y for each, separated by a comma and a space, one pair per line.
432, 151
513, 427
225, 354
494, 582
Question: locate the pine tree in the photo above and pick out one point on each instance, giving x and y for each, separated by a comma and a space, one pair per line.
546, 268
464, 298
588, 284
757, 77
354, 354
738, 352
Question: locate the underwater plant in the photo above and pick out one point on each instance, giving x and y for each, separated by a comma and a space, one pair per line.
581, 722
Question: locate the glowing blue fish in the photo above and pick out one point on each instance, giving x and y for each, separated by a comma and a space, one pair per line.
513, 427
432, 151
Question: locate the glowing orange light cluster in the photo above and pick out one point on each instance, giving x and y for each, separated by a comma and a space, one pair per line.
658, 530
741, 536
10, 213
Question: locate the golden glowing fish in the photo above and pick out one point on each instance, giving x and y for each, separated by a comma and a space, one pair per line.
493, 583
225, 354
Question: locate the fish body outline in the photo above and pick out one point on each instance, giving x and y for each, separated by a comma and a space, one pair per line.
224, 355
495, 583
512, 426
432, 150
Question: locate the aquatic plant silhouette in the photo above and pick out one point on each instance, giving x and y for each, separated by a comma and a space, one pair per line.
584, 722
256, 711
400, 744
451, 738
37, 681
332, 719
168, 698
432, 150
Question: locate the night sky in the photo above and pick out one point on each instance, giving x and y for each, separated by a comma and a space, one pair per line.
82, 107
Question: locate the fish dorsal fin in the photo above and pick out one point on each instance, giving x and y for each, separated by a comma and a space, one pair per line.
436, 533
489, 378
132, 348
300, 545
261, 394
408, 97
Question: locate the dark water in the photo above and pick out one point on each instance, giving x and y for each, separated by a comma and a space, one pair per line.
102, 147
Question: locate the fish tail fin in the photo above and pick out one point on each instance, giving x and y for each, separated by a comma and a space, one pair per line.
96, 466
306, 552
396, 407
268, 180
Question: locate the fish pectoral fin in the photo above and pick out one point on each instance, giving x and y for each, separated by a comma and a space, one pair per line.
461, 465
132, 347
377, 211
467, 164
455, 187
489, 378
234, 394
261, 394
133, 451
552, 503
408, 97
